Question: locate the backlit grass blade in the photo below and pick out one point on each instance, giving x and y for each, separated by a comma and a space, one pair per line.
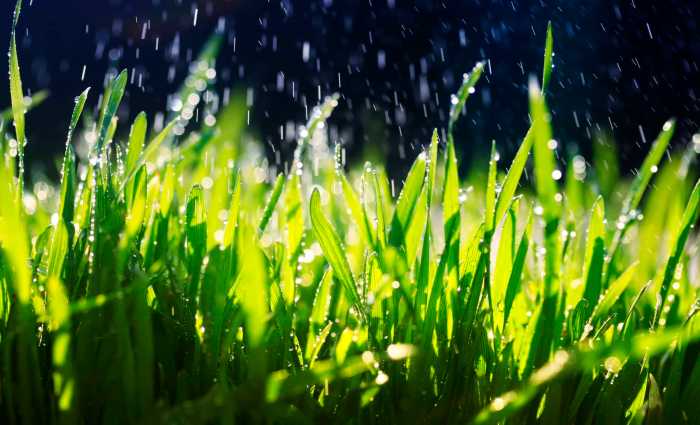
17, 100
638, 187
59, 312
690, 217
613, 293
252, 293
68, 177
357, 212
548, 56
546, 176
546, 172
333, 250
515, 278
322, 300
431, 165
137, 138
460, 99
271, 203
407, 202
116, 92
510, 184
450, 197
196, 242
594, 255
58, 249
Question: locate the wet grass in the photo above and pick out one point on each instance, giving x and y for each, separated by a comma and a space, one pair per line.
175, 277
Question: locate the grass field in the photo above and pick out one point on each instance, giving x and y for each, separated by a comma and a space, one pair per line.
172, 276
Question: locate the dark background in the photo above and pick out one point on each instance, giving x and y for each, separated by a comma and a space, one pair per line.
620, 66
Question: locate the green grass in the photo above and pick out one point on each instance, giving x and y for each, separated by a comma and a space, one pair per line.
175, 278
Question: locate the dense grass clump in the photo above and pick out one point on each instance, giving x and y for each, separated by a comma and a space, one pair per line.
183, 281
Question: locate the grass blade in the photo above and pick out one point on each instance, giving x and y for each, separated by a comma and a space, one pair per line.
333, 251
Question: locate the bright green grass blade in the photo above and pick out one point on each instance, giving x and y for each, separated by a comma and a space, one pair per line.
116, 93
271, 203
137, 204
13, 233
379, 211
17, 100
357, 212
502, 267
546, 173
417, 227
432, 165
322, 300
548, 56
690, 217
490, 212
294, 224
638, 187
333, 250
77, 112
196, 238
68, 181
58, 249
450, 199
59, 313
460, 99
318, 344
232, 216
515, 278
594, 255
423, 274
137, 138
407, 204
510, 184
68, 177
148, 153
251, 291
649, 166
156, 143
614, 292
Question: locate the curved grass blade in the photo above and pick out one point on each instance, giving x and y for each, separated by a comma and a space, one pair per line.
333, 251
638, 187
690, 217
271, 203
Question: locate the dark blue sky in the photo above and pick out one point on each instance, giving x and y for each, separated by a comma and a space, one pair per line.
621, 66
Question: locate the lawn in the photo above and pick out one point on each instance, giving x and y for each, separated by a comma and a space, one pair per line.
174, 276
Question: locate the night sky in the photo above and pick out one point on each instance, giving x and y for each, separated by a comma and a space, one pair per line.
621, 66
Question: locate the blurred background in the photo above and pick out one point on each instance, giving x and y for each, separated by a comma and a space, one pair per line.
621, 67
